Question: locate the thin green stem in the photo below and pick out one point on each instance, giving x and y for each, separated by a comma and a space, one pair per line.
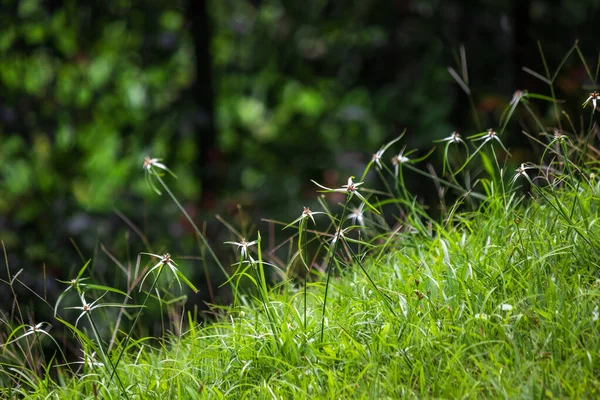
445, 182
259, 274
302, 254
105, 356
329, 267
551, 84
558, 207
386, 299
474, 112
198, 232
588, 137
387, 185
124, 347
264, 299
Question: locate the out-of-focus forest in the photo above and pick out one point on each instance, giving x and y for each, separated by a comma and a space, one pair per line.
245, 100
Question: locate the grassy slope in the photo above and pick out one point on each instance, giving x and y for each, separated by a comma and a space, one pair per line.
500, 303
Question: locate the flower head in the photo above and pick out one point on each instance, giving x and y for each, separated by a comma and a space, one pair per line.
89, 360
166, 259
307, 213
399, 159
453, 138
153, 167
86, 307
357, 215
339, 234
594, 97
559, 136
30, 330
517, 96
520, 172
36, 328
243, 247
377, 156
150, 163
489, 136
75, 283
350, 189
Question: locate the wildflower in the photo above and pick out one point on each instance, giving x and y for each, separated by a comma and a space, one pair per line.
351, 189
506, 307
559, 136
517, 96
243, 246
89, 360
481, 316
399, 159
86, 307
453, 138
339, 234
165, 259
357, 215
149, 163
377, 156
594, 97
75, 283
491, 135
36, 328
520, 172
153, 166
31, 330
307, 213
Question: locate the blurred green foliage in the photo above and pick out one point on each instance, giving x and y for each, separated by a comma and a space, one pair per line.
300, 90
301, 86
88, 89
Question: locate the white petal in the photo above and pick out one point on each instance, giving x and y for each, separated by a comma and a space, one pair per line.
321, 186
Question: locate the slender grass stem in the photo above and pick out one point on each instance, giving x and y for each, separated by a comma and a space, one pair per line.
198, 232
387, 185
329, 266
105, 356
449, 184
302, 237
264, 299
385, 298
562, 212
262, 282
588, 138
134, 323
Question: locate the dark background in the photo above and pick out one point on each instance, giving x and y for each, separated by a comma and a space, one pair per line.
246, 101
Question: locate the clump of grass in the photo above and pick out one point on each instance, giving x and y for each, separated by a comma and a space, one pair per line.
497, 297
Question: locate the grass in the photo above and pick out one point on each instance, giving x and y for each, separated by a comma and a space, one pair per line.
497, 298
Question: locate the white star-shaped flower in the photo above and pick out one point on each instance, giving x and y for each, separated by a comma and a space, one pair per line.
594, 97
